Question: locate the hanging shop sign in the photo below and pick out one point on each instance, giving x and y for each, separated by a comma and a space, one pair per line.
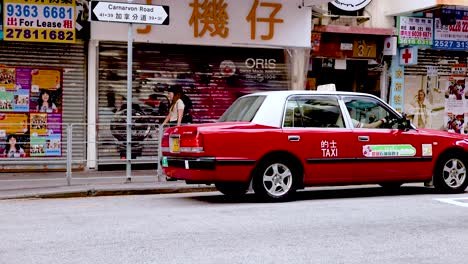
350, 5
347, 46
454, 36
30, 112
39, 21
458, 69
415, 31
267, 23
409, 56
390, 46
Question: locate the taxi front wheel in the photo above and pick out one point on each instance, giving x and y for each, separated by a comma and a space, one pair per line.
450, 174
274, 180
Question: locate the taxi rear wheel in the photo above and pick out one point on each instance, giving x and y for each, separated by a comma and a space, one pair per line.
232, 189
275, 180
450, 175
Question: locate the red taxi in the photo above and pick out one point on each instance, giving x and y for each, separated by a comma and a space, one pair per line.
282, 141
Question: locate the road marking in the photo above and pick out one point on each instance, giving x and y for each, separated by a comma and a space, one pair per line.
454, 201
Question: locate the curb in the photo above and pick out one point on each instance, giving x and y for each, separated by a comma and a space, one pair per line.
110, 192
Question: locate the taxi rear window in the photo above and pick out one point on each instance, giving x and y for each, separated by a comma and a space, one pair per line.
243, 109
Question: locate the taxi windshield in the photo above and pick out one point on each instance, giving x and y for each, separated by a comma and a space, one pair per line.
243, 109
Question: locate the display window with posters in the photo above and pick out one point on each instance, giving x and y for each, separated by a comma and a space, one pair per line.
30, 112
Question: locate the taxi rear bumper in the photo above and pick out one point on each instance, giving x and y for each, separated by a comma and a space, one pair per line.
199, 163
207, 169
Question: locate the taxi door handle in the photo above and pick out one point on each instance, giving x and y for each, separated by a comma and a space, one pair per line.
363, 138
294, 138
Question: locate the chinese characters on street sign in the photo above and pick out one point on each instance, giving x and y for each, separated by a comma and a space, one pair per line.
129, 13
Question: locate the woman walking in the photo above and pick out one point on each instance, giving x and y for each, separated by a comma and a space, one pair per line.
176, 110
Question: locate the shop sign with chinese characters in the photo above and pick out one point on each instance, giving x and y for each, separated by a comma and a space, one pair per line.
459, 70
452, 37
415, 31
39, 21
271, 23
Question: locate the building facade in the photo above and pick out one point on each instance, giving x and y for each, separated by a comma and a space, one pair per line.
429, 70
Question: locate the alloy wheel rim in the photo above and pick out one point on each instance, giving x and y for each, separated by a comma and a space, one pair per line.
454, 173
277, 179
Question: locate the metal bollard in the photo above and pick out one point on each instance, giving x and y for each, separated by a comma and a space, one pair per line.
69, 153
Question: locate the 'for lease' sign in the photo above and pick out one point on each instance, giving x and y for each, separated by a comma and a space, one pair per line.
39, 21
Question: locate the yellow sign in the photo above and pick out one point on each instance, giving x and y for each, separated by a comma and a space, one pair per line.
364, 49
45, 79
174, 142
39, 21
13, 124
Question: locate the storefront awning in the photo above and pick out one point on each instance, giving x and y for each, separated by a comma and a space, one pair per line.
355, 30
405, 7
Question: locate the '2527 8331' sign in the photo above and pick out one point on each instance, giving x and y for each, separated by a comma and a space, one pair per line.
39, 21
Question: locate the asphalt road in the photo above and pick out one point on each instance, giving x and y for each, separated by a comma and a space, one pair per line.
335, 225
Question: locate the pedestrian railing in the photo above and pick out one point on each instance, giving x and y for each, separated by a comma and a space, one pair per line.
83, 149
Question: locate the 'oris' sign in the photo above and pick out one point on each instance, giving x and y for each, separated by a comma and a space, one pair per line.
350, 5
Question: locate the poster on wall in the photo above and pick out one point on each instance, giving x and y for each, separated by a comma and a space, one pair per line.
456, 103
30, 112
424, 101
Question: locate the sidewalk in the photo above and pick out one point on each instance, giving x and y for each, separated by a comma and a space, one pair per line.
91, 183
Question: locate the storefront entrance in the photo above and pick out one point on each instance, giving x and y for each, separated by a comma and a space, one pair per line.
347, 75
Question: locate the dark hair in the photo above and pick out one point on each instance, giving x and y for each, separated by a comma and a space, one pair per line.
40, 101
7, 147
176, 89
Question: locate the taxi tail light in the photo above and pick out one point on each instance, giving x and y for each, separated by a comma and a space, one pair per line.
165, 140
191, 141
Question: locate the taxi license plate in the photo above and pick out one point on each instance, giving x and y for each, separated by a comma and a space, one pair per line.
174, 143
164, 162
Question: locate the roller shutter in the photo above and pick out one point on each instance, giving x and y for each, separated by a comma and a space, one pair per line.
441, 58
212, 77
72, 59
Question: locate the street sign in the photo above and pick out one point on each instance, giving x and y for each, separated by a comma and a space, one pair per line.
129, 13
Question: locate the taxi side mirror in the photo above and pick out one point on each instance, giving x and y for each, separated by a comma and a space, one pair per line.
404, 123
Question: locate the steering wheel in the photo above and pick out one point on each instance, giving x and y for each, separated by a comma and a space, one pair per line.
389, 122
